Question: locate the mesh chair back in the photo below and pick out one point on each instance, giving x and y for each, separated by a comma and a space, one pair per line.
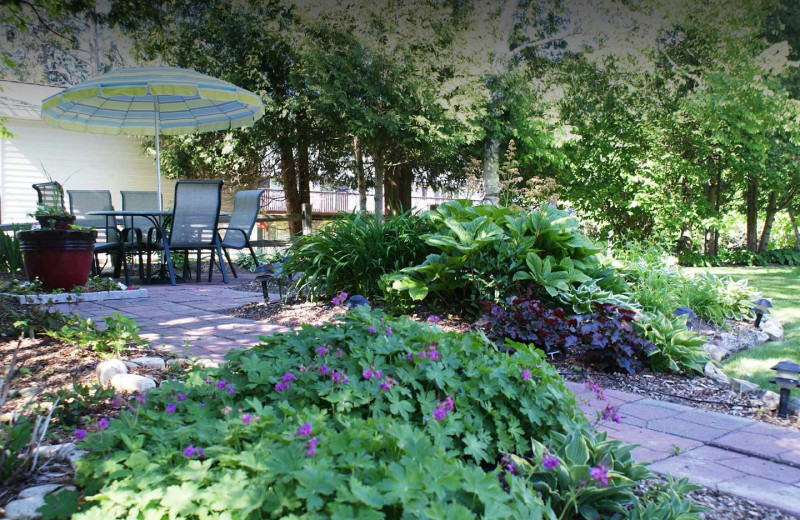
196, 213
50, 194
245, 210
83, 201
139, 200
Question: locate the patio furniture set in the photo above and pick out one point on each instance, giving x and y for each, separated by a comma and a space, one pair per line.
141, 228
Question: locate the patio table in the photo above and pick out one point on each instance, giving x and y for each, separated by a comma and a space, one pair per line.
155, 216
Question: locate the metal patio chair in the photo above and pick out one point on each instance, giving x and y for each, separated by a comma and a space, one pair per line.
82, 202
50, 194
246, 205
136, 228
195, 220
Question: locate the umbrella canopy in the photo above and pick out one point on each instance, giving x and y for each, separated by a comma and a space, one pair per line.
152, 101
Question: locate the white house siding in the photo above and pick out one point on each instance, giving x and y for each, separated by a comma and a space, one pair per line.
78, 161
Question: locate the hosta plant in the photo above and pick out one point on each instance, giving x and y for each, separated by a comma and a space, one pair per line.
490, 252
677, 348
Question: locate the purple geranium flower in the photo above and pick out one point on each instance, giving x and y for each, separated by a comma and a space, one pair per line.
434, 354
288, 377
600, 475
181, 397
304, 430
367, 373
311, 447
410, 356
171, 407
371, 329
321, 351
526, 374
279, 387
80, 434
434, 319
221, 384
439, 413
102, 423
189, 451
549, 462
323, 369
386, 385
231, 389
141, 399
388, 331
246, 418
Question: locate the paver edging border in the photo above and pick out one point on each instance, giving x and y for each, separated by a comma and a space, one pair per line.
52, 299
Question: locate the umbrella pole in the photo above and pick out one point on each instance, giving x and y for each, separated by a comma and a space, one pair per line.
158, 152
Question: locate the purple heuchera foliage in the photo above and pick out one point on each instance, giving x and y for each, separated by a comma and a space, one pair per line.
600, 475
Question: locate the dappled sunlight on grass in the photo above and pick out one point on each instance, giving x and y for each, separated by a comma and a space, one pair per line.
782, 286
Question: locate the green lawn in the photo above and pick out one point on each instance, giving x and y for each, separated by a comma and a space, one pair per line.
782, 286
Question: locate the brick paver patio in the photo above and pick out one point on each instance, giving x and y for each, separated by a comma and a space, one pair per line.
747, 458
743, 457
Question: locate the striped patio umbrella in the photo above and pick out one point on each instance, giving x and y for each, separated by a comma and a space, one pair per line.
152, 101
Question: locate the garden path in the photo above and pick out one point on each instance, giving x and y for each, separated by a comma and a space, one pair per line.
744, 457
185, 319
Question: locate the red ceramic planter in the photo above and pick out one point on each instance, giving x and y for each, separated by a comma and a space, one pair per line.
61, 259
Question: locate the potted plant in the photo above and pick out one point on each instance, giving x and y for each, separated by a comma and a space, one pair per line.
59, 254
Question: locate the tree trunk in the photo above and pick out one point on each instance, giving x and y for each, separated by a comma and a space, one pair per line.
794, 227
711, 244
491, 172
397, 188
303, 176
362, 181
379, 173
289, 180
769, 218
391, 190
751, 200
405, 187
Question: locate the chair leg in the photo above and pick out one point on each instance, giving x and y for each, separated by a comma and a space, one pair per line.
197, 266
230, 264
141, 266
210, 265
221, 261
124, 256
168, 255
253, 253
186, 271
265, 291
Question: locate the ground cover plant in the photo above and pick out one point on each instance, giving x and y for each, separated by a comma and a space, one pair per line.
353, 252
353, 420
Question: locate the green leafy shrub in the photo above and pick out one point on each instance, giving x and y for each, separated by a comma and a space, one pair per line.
245, 260
345, 421
657, 287
353, 252
783, 256
10, 254
491, 252
120, 333
677, 348
75, 403
667, 501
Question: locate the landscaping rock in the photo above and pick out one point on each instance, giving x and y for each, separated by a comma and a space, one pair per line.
724, 344
74, 456
28, 392
132, 383
56, 451
130, 364
153, 362
106, 370
714, 372
743, 387
771, 400
42, 490
207, 363
772, 328
794, 406
25, 508
181, 361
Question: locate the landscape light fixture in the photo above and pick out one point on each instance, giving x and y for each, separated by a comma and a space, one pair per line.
786, 373
761, 307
